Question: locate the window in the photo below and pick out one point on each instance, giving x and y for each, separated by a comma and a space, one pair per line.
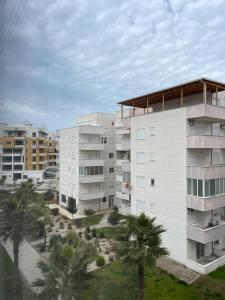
111, 170
207, 188
152, 156
140, 157
104, 199
105, 140
8, 142
33, 134
152, 131
6, 167
33, 142
140, 206
126, 177
17, 167
140, 181
25, 176
140, 134
89, 171
152, 182
111, 155
63, 198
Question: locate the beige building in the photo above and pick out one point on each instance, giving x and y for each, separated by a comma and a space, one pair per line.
25, 152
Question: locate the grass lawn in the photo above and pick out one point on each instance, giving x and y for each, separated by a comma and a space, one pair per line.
114, 283
109, 232
92, 220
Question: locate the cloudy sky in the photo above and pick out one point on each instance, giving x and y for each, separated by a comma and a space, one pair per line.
63, 58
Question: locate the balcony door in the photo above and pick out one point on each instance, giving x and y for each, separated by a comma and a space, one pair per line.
199, 250
111, 201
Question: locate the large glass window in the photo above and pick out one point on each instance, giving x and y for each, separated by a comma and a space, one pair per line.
195, 189
126, 177
140, 181
140, 134
207, 188
140, 157
212, 187
89, 171
140, 206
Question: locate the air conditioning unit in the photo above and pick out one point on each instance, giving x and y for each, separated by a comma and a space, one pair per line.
222, 125
191, 122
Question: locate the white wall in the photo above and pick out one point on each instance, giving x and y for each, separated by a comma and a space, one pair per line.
167, 199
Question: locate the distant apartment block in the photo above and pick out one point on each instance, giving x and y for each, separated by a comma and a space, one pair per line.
175, 142
25, 152
87, 163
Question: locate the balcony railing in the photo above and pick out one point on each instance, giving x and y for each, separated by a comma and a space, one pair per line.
91, 195
196, 233
205, 142
91, 146
207, 203
91, 178
92, 162
206, 172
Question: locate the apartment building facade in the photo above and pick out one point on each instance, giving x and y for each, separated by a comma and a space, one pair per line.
87, 163
177, 153
25, 152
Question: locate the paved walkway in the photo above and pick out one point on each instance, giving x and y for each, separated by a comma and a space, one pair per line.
177, 270
28, 261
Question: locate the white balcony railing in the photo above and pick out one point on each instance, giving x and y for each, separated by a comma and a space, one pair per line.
206, 235
91, 162
207, 203
91, 195
205, 142
91, 146
206, 172
92, 178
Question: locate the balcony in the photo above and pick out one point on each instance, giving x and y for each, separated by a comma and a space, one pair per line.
207, 264
119, 178
119, 162
92, 178
207, 203
206, 112
123, 146
92, 162
205, 142
90, 146
121, 195
122, 131
206, 172
91, 195
203, 235
88, 129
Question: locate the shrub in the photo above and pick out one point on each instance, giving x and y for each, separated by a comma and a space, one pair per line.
48, 195
94, 232
88, 212
115, 209
55, 211
61, 225
111, 258
42, 248
87, 236
87, 229
51, 224
69, 226
78, 222
101, 235
113, 218
100, 261
113, 247
80, 234
49, 229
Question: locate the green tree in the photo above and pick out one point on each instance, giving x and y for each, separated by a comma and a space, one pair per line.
72, 206
19, 213
66, 271
48, 195
140, 245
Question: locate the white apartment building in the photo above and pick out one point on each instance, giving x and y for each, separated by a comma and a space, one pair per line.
87, 162
177, 153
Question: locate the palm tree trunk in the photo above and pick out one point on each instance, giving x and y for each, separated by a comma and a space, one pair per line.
141, 282
45, 241
16, 269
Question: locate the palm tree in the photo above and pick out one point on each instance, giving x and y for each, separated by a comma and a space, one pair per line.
66, 270
140, 245
17, 216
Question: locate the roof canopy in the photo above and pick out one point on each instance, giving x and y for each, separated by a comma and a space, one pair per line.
188, 88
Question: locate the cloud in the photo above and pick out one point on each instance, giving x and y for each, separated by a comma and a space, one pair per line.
87, 55
15, 107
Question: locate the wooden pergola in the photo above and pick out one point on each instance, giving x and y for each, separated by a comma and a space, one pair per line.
202, 85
